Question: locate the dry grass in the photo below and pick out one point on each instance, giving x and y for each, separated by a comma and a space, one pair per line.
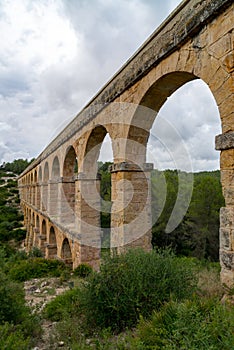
209, 284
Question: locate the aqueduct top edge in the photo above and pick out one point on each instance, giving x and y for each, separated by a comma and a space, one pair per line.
182, 24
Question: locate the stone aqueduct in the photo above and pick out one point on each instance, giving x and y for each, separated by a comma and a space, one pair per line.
59, 190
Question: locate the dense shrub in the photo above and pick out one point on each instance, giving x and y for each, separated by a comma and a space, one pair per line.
194, 324
83, 270
12, 306
13, 339
36, 268
11, 183
64, 305
19, 234
35, 252
134, 284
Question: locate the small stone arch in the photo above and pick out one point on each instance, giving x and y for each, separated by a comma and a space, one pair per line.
55, 175
46, 172
51, 246
70, 165
43, 227
66, 253
40, 175
92, 150
52, 236
35, 176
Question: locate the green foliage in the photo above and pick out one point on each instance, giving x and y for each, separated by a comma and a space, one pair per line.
35, 268
83, 270
11, 184
134, 284
12, 306
64, 305
194, 324
17, 166
13, 339
18, 234
18, 327
35, 253
198, 233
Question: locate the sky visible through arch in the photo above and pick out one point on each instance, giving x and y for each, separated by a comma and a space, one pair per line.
56, 54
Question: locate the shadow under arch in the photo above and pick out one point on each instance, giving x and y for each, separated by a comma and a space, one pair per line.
45, 187
69, 174
92, 150
51, 246
66, 253
54, 184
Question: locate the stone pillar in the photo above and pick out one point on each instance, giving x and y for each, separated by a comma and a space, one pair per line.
66, 199
27, 193
131, 219
60, 200
33, 194
50, 250
87, 217
53, 199
30, 236
41, 243
27, 226
44, 197
35, 237
225, 143
38, 196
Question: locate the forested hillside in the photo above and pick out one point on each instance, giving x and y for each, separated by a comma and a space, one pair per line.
198, 233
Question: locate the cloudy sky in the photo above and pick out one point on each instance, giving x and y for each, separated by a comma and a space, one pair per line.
56, 54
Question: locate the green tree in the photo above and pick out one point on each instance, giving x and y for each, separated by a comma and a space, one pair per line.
17, 166
198, 232
203, 216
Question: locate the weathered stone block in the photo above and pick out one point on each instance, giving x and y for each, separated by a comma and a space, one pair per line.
224, 141
227, 217
225, 239
227, 159
227, 259
228, 193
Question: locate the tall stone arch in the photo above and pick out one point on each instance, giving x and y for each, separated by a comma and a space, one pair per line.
69, 173
45, 187
54, 189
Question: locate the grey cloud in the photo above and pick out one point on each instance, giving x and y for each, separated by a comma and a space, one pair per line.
11, 82
36, 105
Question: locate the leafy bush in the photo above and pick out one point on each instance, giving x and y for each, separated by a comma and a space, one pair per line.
63, 305
35, 252
36, 268
19, 234
13, 339
194, 324
12, 306
11, 183
134, 284
83, 270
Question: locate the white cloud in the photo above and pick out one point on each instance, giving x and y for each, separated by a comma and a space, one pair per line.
56, 54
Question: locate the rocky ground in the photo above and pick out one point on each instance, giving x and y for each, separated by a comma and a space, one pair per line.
38, 292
